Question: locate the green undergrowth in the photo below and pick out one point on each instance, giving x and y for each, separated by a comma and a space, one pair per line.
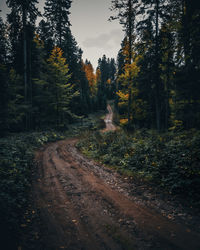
169, 161
16, 162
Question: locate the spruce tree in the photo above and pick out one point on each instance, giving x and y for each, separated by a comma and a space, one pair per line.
126, 15
4, 95
25, 13
45, 33
57, 15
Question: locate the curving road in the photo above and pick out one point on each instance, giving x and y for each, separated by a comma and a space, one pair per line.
109, 120
85, 206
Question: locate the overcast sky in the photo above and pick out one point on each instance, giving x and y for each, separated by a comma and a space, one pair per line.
90, 26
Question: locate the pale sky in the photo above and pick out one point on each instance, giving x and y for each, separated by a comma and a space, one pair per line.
90, 26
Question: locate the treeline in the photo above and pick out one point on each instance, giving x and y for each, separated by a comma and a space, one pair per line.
158, 78
102, 83
43, 79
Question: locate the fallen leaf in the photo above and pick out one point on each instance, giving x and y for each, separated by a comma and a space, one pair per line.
170, 216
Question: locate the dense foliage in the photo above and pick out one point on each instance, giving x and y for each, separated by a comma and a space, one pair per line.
158, 63
170, 161
16, 161
106, 83
42, 79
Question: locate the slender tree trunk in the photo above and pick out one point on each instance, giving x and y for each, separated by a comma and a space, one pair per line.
117, 97
57, 108
25, 63
30, 89
157, 97
167, 96
130, 32
60, 39
60, 27
186, 31
129, 106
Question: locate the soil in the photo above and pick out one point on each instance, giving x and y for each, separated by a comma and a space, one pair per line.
83, 205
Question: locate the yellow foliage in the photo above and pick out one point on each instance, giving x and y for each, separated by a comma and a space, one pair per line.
126, 50
89, 72
154, 164
98, 75
123, 97
123, 121
58, 61
109, 81
38, 41
171, 102
131, 71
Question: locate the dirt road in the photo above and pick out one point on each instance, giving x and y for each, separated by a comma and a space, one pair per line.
108, 120
85, 206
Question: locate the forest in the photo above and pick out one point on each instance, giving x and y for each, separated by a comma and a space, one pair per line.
155, 80
48, 92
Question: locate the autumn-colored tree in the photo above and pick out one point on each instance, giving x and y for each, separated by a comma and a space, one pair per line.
126, 15
137, 105
89, 71
61, 88
57, 91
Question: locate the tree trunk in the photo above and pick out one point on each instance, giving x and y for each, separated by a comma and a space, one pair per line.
157, 97
30, 88
25, 63
186, 21
130, 32
57, 109
167, 96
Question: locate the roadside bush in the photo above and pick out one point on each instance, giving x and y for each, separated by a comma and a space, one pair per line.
16, 160
170, 161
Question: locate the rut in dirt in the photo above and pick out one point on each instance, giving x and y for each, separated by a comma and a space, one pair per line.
81, 208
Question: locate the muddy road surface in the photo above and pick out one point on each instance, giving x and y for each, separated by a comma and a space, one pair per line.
109, 120
85, 206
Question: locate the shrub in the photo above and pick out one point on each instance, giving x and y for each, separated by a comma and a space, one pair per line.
170, 161
16, 160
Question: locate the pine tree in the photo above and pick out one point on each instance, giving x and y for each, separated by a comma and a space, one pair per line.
54, 92
89, 71
57, 15
188, 73
25, 13
126, 15
3, 80
45, 33
112, 79
101, 85
61, 89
